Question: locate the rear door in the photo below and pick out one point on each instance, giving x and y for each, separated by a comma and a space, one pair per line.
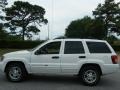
72, 53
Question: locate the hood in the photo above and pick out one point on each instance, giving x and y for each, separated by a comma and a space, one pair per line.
22, 52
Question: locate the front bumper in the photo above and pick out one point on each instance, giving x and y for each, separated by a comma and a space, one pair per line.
2, 66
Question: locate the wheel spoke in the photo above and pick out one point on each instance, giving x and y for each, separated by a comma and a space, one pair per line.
90, 76
15, 73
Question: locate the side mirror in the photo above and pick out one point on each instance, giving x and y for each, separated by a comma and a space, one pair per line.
38, 52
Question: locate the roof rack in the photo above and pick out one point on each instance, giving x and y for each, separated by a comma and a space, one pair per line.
61, 37
64, 37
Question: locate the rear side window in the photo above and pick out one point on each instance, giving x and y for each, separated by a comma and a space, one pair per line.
98, 47
74, 47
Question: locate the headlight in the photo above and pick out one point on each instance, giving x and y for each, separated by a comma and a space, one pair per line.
1, 58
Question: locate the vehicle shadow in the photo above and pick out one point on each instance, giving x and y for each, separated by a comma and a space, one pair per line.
55, 79
69, 80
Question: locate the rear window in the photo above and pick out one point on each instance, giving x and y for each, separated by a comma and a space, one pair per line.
98, 47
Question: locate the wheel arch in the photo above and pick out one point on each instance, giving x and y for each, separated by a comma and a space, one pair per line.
91, 64
18, 62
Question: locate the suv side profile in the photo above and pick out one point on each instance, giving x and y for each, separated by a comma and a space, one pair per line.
87, 58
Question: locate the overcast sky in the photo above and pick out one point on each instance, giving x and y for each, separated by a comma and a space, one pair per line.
61, 12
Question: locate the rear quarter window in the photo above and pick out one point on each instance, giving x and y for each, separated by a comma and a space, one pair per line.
98, 47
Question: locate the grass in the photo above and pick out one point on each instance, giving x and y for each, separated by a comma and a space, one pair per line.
3, 51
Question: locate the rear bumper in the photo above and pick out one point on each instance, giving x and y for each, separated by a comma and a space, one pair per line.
110, 68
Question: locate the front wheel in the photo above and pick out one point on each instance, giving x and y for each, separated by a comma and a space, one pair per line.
15, 72
90, 75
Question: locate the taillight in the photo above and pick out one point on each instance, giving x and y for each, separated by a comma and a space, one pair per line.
114, 59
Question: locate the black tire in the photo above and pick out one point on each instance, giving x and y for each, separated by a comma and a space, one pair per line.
15, 72
90, 75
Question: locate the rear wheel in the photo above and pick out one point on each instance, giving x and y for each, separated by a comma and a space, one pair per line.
90, 75
15, 72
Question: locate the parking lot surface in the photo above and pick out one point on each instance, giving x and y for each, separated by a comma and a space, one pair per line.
37, 82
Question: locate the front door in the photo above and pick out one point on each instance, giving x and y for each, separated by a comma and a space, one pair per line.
47, 58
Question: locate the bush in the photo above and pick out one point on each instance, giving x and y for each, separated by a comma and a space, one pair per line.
116, 47
31, 44
19, 44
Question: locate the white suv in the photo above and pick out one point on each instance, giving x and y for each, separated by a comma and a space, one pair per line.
86, 58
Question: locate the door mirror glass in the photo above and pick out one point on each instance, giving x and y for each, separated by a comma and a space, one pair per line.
39, 52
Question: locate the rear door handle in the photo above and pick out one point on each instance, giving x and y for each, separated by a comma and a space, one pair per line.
82, 56
55, 57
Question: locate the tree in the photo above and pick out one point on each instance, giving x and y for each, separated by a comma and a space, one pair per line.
85, 28
77, 28
97, 29
3, 33
109, 12
23, 18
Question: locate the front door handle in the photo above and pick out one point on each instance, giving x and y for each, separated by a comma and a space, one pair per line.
55, 57
82, 56
45, 65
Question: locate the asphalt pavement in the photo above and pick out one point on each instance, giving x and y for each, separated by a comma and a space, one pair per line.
38, 82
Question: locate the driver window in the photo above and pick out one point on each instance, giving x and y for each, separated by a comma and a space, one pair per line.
51, 48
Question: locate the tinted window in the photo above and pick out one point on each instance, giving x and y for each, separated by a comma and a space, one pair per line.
51, 48
74, 47
98, 47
